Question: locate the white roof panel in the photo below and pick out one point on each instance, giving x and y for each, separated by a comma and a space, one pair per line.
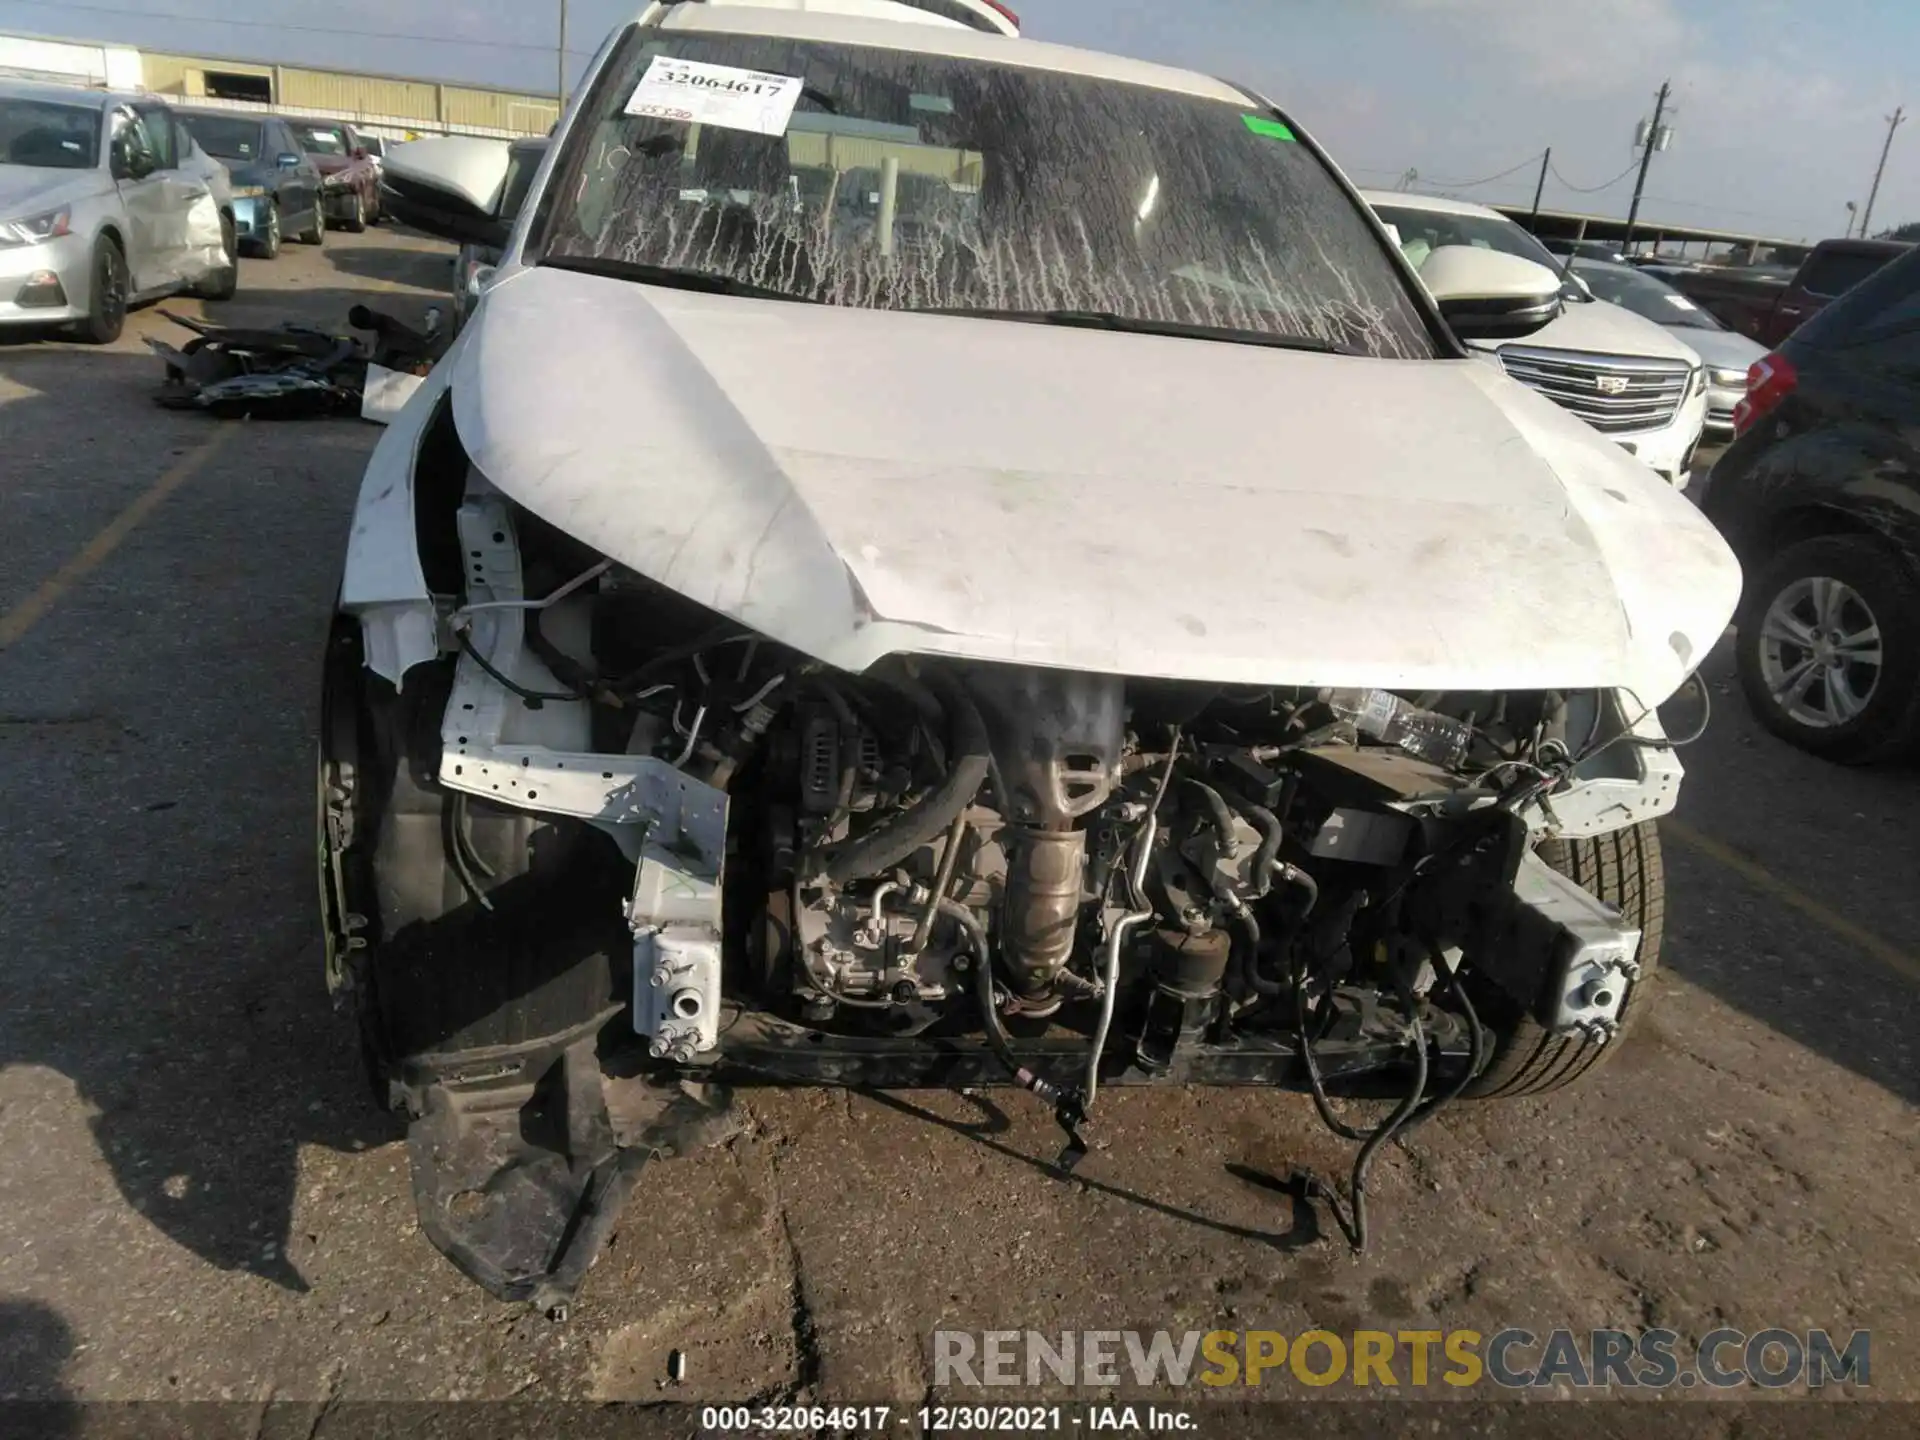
759, 17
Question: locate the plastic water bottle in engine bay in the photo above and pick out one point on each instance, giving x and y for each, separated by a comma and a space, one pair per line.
1440, 739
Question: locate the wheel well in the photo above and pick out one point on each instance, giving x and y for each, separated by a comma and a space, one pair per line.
112, 233
439, 485
1814, 522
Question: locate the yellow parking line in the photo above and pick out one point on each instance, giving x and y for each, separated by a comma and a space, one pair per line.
24, 616
1757, 875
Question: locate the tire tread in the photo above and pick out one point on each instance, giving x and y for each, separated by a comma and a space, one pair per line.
1626, 870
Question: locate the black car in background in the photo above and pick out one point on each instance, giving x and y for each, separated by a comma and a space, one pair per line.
1820, 497
276, 186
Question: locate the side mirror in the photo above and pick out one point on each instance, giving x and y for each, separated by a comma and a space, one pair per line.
131, 165
288, 162
449, 186
1490, 295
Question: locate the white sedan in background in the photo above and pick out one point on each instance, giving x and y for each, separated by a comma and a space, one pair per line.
105, 201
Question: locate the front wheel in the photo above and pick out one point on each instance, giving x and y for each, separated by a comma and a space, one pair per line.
107, 305
1624, 869
316, 233
270, 235
1829, 648
357, 217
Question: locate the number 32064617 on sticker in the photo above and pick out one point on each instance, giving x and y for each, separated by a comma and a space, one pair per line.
719, 95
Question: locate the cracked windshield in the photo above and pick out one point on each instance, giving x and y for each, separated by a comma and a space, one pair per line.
895, 180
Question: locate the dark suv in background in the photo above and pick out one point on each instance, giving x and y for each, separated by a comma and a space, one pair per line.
1766, 303
1820, 497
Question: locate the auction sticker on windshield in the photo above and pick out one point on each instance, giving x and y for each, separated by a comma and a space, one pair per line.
701, 94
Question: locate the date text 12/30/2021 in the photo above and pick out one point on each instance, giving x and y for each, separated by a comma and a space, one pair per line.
942, 1419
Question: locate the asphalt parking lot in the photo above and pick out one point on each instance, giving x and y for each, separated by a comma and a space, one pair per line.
198, 1201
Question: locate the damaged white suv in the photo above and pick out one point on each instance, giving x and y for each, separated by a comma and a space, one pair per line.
941, 559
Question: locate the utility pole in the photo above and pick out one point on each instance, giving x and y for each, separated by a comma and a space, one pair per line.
560, 59
1652, 140
1852, 211
1893, 123
1541, 187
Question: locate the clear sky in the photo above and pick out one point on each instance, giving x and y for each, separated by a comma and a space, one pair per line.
1781, 103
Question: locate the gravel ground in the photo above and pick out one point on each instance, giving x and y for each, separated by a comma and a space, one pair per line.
197, 1201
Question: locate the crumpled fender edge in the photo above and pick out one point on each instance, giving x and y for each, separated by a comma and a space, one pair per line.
384, 585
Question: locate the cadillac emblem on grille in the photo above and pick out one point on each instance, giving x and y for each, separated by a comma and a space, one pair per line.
1610, 384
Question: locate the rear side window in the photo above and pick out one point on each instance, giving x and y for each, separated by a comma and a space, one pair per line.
159, 127
1834, 272
1887, 304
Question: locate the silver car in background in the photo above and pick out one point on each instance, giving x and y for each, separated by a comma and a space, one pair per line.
105, 201
1728, 354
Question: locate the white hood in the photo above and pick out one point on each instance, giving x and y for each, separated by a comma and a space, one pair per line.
1599, 328
856, 482
1724, 349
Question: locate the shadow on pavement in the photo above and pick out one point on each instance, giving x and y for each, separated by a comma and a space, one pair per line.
35, 1346
325, 306
1842, 838
1304, 1231
423, 269
156, 853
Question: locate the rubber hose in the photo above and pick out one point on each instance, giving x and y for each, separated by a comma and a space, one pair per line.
1217, 807
1272, 837
887, 844
997, 1037
1249, 964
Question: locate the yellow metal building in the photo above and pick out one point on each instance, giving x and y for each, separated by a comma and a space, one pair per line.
381, 104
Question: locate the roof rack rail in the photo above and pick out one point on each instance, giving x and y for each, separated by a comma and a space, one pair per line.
991, 17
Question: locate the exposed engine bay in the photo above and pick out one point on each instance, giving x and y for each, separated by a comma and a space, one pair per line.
954, 873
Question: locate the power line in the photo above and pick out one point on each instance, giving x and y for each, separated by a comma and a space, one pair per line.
1531, 160
1595, 189
64, 6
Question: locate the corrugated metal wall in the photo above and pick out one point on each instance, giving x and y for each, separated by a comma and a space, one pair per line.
382, 103
858, 152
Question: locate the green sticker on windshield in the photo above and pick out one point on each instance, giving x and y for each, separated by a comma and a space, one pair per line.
1272, 129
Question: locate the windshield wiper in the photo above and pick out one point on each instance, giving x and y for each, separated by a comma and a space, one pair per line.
680, 277
1132, 325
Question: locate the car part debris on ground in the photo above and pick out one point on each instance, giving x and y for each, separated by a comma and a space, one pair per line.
297, 371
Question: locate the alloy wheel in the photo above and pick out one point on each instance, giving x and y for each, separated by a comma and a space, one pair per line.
1820, 653
113, 286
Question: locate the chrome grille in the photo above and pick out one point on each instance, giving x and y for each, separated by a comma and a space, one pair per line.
1615, 394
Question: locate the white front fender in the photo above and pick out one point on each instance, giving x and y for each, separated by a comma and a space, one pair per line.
384, 586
